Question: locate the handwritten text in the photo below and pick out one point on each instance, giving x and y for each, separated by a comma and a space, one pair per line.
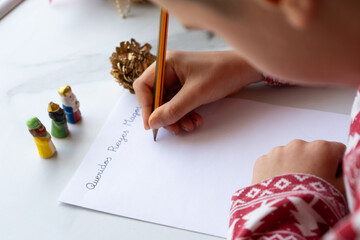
102, 167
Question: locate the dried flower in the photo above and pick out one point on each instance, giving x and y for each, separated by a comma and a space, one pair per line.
129, 61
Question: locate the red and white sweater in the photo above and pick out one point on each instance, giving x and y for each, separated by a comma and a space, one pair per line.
302, 206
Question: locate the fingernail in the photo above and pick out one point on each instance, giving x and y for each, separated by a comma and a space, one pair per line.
185, 128
197, 123
155, 123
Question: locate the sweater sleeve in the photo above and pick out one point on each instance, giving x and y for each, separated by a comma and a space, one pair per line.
292, 206
349, 228
270, 81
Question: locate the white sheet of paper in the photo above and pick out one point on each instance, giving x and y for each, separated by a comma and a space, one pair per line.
187, 181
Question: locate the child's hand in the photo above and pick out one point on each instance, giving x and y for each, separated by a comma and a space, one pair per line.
191, 80
320, 158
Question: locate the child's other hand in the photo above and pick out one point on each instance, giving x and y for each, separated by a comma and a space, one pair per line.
191, 80
320, 158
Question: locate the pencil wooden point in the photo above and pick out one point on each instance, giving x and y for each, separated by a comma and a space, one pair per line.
155, 131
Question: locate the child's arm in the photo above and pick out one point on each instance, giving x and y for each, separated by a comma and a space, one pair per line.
191, 80
297, 193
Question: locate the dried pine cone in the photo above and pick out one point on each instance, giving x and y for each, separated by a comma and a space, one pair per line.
129, 61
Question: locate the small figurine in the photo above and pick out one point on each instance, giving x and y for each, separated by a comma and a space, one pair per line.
70, 104
42, 138
59, 128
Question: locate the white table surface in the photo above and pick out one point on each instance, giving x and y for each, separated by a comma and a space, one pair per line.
45, 46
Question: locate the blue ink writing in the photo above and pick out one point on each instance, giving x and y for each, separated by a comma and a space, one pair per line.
102, 167
133, 116
118, 143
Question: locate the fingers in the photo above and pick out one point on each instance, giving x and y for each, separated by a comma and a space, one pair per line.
169, 115
339, 184
173, 111
330, 155
173, 128
143, 87
340, 149
188, 123
333, 153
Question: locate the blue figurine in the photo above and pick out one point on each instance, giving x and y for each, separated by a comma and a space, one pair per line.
70, 104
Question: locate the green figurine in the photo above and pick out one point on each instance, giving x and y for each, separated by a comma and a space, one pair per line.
59, 128
42, 138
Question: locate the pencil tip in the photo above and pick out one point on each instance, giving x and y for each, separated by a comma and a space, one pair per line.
155, 131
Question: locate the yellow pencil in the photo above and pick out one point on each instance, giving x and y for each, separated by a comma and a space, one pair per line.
160, 63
